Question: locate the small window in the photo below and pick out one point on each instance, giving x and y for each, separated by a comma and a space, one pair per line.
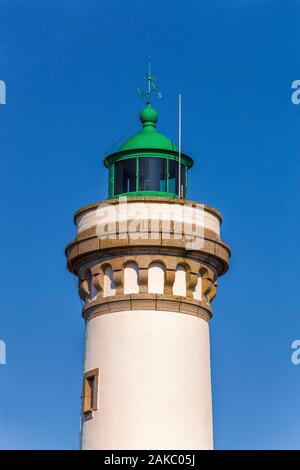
125, 176
90, 392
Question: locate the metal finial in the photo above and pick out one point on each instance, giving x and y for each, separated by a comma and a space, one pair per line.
152, 87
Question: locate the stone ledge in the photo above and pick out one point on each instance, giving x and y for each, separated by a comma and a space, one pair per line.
157, 302
78, 252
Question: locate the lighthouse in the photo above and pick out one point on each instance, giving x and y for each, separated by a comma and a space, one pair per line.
147, 261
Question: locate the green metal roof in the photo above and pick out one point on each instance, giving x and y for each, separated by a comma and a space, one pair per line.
148, 142
145, 139
148, 137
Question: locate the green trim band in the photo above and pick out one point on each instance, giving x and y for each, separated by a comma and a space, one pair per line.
158, 153
148, 193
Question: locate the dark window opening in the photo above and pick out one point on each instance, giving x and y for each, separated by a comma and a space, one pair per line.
174, 177
125, 176
152, 174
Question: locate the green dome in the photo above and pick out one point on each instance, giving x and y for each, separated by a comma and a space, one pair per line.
148, 137
145, 139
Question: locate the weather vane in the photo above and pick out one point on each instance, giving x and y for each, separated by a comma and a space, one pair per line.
152, 87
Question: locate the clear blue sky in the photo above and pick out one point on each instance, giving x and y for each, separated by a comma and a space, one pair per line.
71, 69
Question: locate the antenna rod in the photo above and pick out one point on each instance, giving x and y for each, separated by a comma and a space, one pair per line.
149, 78
179, 144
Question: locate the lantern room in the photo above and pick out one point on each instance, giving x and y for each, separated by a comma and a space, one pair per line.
148, 163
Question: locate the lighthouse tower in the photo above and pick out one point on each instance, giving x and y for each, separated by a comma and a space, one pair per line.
147, 261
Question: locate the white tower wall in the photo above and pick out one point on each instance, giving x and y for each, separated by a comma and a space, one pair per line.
154, 386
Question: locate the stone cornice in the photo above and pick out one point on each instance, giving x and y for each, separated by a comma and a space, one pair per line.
87, 245
161, 302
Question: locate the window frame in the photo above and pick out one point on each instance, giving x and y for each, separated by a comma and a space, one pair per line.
115, 182
139, 192
90, 401
164, 162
